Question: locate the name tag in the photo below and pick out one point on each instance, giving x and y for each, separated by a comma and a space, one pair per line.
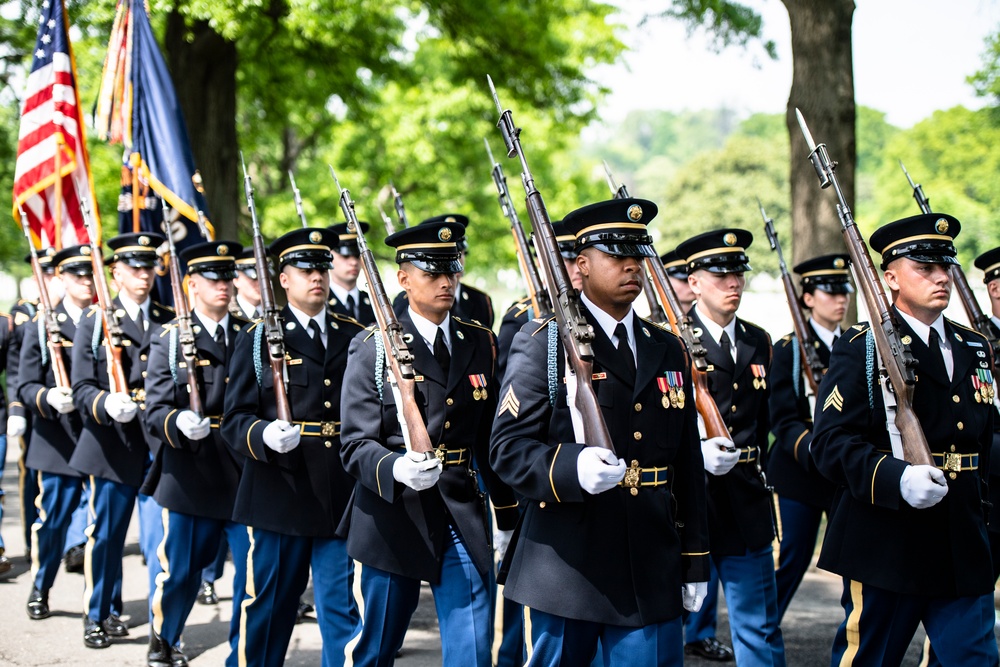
293, 362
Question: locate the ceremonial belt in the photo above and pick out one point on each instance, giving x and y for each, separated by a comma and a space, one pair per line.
953, 462
319, 429
749, 454
215, 421
451, 457
636, 477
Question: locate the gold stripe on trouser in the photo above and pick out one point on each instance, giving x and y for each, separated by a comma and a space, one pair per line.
251, 594
360, 601
853, 626
528, 648
926, 656
498, 625
22, 478
161, 577
88, 555
36, 563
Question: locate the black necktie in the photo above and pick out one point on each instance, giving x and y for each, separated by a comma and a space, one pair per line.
220, 338
352, 308
441, 352
937, 358
726, 344
317, 339
140, 321
834, 342
624, 351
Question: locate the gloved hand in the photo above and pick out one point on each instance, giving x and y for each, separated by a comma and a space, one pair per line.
922, 486
120, 407
281, 436
501, 540
192, 427
416, 471
61, 399
598, 469
718, 458
693, 595
16, 426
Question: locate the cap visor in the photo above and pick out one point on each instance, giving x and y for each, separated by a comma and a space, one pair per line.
625, 249
443, 266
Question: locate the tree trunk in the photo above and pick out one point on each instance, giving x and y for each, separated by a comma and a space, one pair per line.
204, 69
823, 89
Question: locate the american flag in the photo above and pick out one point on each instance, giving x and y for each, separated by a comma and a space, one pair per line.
52, 137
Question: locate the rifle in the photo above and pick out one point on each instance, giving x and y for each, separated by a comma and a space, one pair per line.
979, 321
53, 334
203, 226
540, 301
397, 201
387, 221
810, 357
185, 332
298, 200
897, 361
272, 316
401, 377
576, 333
715, 425
113, 334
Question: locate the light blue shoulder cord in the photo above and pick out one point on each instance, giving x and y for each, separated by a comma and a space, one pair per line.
172, 355
552, 360
42, 341
258, 368
870, 365
796, 366
379, 364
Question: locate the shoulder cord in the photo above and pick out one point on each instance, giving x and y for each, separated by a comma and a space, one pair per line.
551, 360
172, 355
870, 365
43, 341
379, 365
796, 366
258, 368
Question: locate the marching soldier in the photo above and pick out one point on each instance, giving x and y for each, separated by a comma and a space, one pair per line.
804, 495
195, 475
415, 520
57, 425
6, 327
910, 540
113, 449
740, 511
989, 263
293, 491
345, 297
599, 558
246, 303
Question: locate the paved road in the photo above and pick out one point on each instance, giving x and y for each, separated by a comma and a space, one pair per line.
809, 625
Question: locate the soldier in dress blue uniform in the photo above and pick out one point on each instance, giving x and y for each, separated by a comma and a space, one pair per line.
677, 272
294, 491
113, 450
246, 303
911, 541
740, 511
195, 475
57, 424
611, 548
345, 297
989, 263
414, 519
6, 328
471, 304
804, 495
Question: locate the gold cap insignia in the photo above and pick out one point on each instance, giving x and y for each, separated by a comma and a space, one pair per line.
941, 226
315, 237
450, 218
906, 340
444, 234
85, 250
839, 263
729, 239
635, 213
49, 252
143, 240
223, 249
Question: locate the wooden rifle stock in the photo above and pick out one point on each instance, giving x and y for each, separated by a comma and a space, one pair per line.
53, 334
897, 360
185, 332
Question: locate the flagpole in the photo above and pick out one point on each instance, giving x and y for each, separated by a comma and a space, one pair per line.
57, 226
134, 161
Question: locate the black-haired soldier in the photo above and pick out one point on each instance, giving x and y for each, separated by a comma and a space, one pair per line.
194, 475
599, 559
345, 297
293, 490
113, 449
676, 269
803, 493
910, 540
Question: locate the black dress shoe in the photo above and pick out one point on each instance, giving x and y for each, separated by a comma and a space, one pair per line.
114, 626
161, 654
73, 559
94, 635
38, 605
709, 648
304, 609
207, 594
5, 564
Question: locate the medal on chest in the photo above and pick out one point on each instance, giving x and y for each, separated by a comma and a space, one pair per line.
759, 376
478, 383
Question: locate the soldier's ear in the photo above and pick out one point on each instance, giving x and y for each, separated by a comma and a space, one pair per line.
891, 279
583, 263
403, 278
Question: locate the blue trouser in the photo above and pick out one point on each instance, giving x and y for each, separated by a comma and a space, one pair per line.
558, 641
111, 506
463, 601
75, 535
3, 460
700, 624
58, 499
752, 601
879, 624
508, 640
213, 571
277, 574
799, 529
28, 488
238, 537
189, 543
150, 537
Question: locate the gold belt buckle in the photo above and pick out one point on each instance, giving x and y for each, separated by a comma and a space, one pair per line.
953, 462
328, 428
441, 453
632, 476
138, 395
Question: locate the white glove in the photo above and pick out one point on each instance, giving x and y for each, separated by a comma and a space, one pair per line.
192, 427
598, 469
281, 436
501, 540
16, 426
720, 455
416, 471
120, 407
922, 486
61, 399
693, 595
